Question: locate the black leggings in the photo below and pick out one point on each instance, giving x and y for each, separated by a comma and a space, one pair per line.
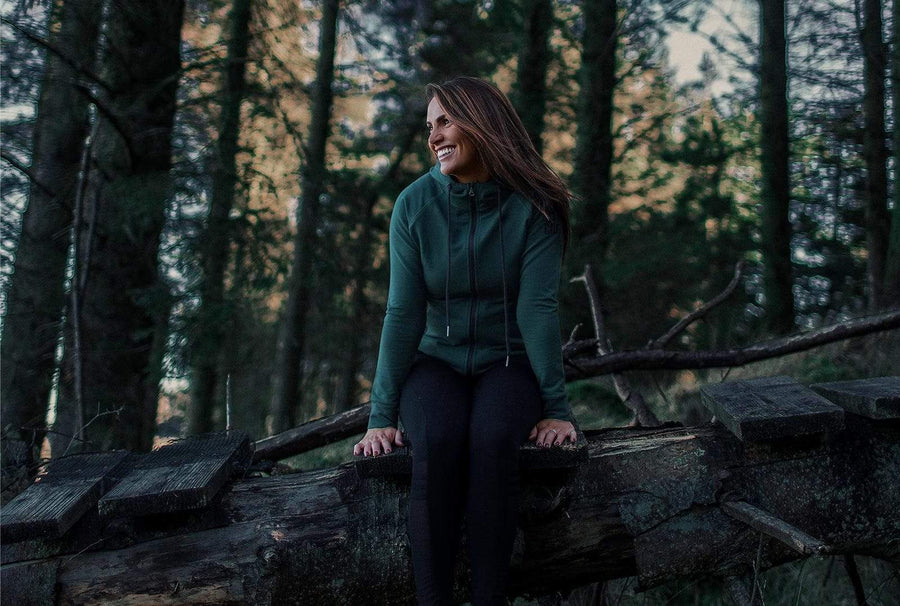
465, 434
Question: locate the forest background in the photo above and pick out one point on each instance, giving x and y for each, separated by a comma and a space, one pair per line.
196, 194
200, 190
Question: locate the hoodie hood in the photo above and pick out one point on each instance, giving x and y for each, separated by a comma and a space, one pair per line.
487, 193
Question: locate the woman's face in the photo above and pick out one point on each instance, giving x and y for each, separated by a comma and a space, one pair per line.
454, 150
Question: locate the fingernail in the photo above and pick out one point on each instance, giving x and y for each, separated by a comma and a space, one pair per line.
388, 450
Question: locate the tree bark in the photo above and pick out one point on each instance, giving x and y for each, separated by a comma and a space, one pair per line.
36, 295
214, 314
652, 503
292, 334
531, 85
878, 220
892, 263
125, 301
774, 158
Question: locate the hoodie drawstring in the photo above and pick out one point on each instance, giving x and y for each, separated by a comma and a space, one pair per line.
503, 273
447, 280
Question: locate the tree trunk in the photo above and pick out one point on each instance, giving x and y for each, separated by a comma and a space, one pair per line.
292, 335
892, 270
125, 300
531, 86
660, 504
348, 385
594, 148
774, 157
36, 294
878, 220
214, 313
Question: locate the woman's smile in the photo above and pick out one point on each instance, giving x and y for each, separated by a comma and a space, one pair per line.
443, 152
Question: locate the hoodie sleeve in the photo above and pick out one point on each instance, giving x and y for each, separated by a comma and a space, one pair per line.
538, 316
404, 320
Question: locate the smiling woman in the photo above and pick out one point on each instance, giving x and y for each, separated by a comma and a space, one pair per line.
455, 152
470, 357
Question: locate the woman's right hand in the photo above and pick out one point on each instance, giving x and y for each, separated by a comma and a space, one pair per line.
378, 440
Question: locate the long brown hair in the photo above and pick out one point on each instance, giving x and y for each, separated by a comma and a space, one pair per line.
486, 116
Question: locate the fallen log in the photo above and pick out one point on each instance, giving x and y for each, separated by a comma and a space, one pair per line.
646, 503
319, 432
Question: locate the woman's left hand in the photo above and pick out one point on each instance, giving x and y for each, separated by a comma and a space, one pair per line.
552, 432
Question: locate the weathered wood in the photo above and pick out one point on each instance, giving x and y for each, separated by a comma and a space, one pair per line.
68, 488
770, 408
771, 526
182, 475
647, 502
313, 434
531, 456
877, 398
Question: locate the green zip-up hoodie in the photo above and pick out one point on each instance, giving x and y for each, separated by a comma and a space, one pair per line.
475, 274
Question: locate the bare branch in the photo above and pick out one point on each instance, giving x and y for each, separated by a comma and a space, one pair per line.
632, 399
74, 65
81, 429
655, 359
27, 172
661, 342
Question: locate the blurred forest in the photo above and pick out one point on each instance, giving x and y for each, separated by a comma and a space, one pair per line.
196, 193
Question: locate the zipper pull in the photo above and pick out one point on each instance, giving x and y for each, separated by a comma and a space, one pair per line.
472, 191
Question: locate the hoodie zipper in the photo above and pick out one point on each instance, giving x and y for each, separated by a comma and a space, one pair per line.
473, 213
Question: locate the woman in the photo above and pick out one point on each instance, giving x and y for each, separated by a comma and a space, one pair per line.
470, 352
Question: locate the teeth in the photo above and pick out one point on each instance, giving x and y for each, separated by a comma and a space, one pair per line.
444, 151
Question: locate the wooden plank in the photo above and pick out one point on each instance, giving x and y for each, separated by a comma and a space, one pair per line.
531, 457
67, 489
776, 528
770, 408
876, 398
179, 476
